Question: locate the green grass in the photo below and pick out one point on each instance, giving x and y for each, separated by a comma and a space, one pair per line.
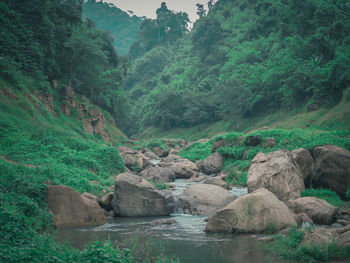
325, 194
197, 151
161, 186
289, 248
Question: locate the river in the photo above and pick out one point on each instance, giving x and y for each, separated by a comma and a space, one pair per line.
184, 239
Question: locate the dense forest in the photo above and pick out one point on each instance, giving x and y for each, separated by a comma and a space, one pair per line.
242, 58
48, 40
123, 28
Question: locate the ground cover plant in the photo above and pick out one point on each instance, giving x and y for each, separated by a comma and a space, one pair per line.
290, 248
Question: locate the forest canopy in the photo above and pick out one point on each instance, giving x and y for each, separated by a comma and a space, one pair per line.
243, 58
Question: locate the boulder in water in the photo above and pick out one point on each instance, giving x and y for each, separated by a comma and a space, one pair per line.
134, 196
205, 199
70, 209
252, 213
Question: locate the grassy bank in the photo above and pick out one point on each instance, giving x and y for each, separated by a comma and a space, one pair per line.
37, 148
238, 156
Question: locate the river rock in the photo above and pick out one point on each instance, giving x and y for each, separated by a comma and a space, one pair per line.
133, 159
318, 236
304, 218
305, 162
171, 158
212, 164
198, 178
158, 174
218, 144
219, 181
277, 172
269, 143
184, 169
134, 196
205, 199
320, 211
70, 209
90, 196
160, 152
332, 168
150, 155
106, 202
252, 213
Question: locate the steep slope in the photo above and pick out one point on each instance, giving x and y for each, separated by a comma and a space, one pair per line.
123, 28
244, 61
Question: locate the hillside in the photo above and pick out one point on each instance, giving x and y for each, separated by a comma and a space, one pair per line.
51, 130
107, 17
243, 62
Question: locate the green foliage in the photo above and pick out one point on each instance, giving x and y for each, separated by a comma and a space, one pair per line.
197, 151
289, 248
166, 28
272, 228
325, 194
235, 177
48, 41
244, 59
161, 186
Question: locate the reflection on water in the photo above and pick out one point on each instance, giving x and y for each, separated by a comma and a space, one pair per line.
185, 239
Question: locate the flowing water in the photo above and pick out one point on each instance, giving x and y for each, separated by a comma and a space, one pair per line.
184, 239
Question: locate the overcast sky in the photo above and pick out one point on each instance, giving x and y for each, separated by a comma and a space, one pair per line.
148, 7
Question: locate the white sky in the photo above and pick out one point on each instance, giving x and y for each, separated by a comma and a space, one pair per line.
148, 7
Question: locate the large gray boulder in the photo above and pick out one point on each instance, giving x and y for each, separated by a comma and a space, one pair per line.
219, 181
184, 169
106, 202
205, 199
320, 211
252, 213
321, 236
212, 164
277, 172
305, 162
70, 209
134, 196
332, 168
158, 174
134, 160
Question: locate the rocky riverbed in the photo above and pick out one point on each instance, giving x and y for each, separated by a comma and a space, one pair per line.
181, 235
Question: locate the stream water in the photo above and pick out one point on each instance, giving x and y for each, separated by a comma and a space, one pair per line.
185, 240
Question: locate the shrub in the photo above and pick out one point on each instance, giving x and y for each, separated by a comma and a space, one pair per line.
197, 151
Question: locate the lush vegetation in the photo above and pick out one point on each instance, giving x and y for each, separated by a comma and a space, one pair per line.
244, 58
48, 41
290, 248
238, 156
107, 17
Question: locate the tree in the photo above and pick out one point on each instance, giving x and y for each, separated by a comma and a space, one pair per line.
200, 10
